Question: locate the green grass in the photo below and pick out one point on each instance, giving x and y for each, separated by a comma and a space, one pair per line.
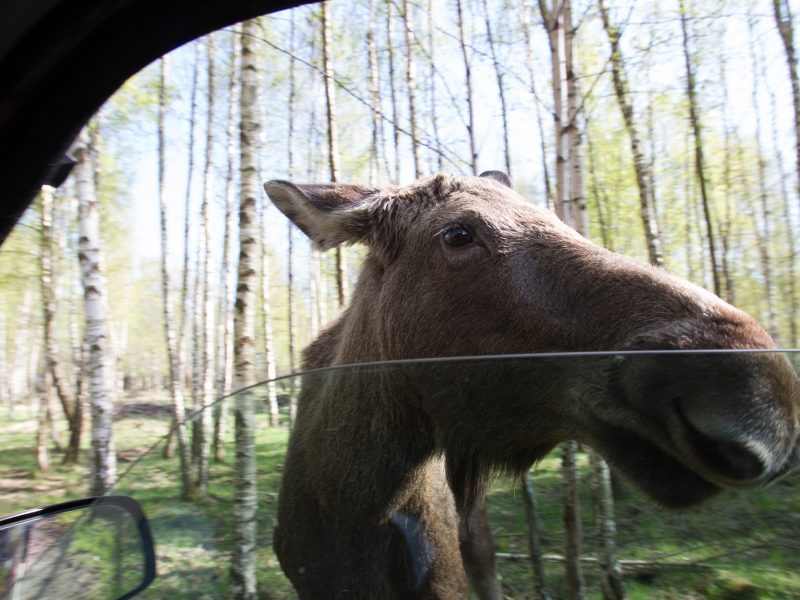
738, 546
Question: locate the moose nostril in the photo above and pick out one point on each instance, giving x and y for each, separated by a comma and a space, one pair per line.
740, 463
714, 447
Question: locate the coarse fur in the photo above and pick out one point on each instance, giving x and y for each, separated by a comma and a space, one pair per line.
382, 488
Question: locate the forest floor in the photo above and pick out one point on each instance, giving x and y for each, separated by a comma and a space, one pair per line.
737, 546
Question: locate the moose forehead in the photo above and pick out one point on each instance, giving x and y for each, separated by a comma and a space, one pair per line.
476, 201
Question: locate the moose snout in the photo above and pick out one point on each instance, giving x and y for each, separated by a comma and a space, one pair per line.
722, 443
732, 418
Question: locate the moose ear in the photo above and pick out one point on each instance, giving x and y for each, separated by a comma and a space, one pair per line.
498, 176
330, 214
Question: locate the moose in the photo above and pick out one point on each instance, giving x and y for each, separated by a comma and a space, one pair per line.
383, 480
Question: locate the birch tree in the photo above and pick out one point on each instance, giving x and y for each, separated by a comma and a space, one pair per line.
698, 150
411, 88
228, 279
290, 118
470, 124
762, 222
573, 580
501, 88
42, 421
184, 298
785, 24
644, 177
243, 560
373, 83
534, 538
266, 320
393, 88
788, 229
173, 354
333, 142
570, 207
531, 68
104, 460
206, 305
69, 400
48, 305
605, 528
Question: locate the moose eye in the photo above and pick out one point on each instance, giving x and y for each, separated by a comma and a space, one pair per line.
457, 235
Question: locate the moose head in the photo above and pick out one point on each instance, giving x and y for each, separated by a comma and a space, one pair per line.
462, 266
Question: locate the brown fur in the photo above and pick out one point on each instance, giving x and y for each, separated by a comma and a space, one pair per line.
383, 461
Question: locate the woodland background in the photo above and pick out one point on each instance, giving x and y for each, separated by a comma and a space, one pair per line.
667, 131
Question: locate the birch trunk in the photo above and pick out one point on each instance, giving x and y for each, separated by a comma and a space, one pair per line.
411, 89
374, 93
569, 181
184, 300
205, 422
605, 527
49, 286
228, 279
501, 89
641, 167
392, 89
529, 63
572, 524
762, 223
473, 150
553, 22
42, 430
789, 230
534, 538
243, 560
292, 315
577, 196
196, 338
104, 460
333, 144
432, 91
266, 313
175, 388
699, 158
785, 24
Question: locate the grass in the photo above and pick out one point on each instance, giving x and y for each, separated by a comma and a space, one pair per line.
739, 546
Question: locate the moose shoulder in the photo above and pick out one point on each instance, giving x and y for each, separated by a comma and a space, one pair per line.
380, 475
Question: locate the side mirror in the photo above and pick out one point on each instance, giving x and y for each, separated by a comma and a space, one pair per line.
89, 548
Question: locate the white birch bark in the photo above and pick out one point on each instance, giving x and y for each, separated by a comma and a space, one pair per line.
374, 94
534, 538
473, 150
644, 175
173, 351
228, 273
292, 315
206, 306
42, 433
104, 460
49, 287
572, 523
342, 288
269, 340
411, 88
501, 88
393, 89
243, 563
606, 530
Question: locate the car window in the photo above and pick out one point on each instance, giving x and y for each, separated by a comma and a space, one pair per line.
339, 199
